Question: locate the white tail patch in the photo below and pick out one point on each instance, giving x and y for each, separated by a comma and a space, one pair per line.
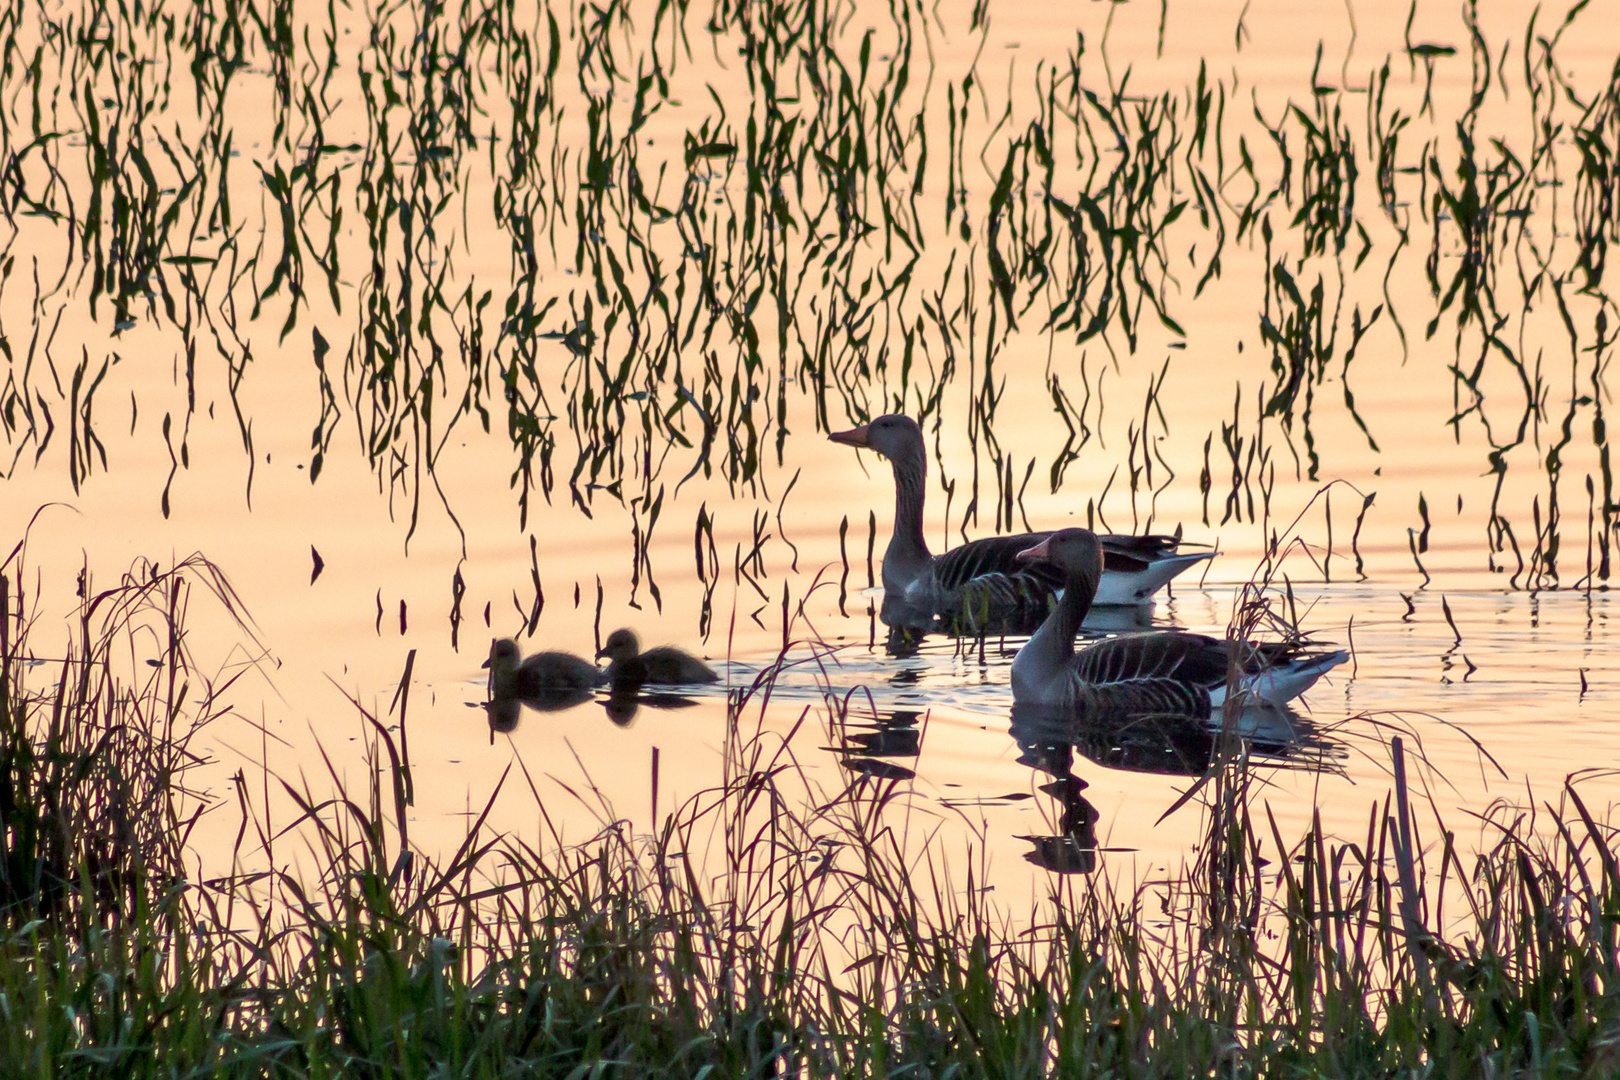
1281, 683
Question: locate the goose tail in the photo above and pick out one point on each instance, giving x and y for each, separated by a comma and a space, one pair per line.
1138, 585
1281, 682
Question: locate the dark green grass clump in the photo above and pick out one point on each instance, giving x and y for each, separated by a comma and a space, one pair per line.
767, 929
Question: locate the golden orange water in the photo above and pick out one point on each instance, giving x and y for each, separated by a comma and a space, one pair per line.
1507, 688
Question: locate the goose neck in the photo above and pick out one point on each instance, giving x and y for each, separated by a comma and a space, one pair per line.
1079, 589
910, 475
1053, 643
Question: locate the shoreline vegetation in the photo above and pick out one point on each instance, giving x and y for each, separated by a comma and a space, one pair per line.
806, 940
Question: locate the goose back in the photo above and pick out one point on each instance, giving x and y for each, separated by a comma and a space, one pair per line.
995, 556
1190, 659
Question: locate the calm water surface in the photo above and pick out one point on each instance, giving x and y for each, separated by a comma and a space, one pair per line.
1473, 592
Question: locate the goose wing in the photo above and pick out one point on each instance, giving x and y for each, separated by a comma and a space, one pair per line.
996, 604
1127, 553
995, 555
1191, 659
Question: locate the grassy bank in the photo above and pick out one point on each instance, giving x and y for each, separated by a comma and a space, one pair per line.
816, 948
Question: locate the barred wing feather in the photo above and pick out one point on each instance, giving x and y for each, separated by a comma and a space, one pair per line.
1186, 658
994, 555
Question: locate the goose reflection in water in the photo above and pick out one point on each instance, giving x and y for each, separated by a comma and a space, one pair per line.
1072, 848
893, 734
1048, 739
1174, 745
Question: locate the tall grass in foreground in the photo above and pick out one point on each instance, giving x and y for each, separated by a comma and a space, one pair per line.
768, 929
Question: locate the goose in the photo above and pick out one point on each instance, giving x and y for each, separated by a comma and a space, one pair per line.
664, 665
1170, 673
545, 673
985, 574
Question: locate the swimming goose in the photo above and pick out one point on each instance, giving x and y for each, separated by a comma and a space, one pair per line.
662, 666
1169, 673
985, 574
511, 676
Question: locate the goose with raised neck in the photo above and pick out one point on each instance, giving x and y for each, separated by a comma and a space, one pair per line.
1168, 672
986, 571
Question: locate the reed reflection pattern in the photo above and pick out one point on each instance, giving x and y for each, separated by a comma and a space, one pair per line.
820, 227
641, 253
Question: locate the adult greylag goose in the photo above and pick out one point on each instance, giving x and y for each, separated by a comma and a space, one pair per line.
985, 574
1170, 673
664, 665
512, 677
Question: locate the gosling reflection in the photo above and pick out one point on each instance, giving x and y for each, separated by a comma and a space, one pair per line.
621, 706
624, 703
505, 712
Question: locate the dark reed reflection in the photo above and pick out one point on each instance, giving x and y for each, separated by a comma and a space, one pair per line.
868, 745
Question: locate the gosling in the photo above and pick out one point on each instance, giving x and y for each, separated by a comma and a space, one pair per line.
663, 666
545, 673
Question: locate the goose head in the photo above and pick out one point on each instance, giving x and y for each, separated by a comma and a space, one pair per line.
505, 660
620, 646
504, 657
896, 437
1077, 552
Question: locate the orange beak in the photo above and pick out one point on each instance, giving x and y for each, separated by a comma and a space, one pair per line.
852, 437
1038, 553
